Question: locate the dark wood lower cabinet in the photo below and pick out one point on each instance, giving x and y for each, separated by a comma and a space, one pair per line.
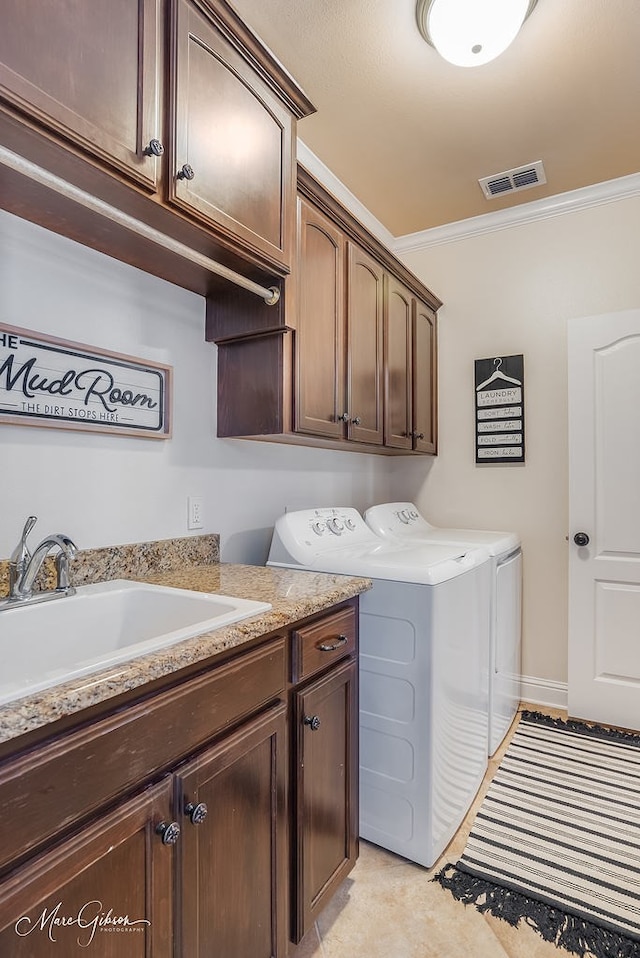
106, 892
233, 862
194, 822
326, 840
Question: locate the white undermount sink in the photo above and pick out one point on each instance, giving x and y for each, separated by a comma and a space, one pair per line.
102, 625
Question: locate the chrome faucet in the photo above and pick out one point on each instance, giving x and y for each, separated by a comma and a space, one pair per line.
24, 567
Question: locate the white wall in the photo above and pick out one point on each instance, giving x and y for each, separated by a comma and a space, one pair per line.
506, 292
103, 489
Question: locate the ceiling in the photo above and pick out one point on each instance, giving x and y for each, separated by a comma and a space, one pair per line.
410, 135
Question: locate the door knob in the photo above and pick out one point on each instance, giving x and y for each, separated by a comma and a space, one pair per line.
155, 148
197, 813
581, 539
313, 721
185, 172
169, 831
344, 417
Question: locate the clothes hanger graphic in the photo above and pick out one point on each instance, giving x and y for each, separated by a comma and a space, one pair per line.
497, 374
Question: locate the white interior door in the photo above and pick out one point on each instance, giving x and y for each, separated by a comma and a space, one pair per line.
604, 504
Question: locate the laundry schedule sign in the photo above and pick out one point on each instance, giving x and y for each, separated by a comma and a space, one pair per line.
499, 389
53, 382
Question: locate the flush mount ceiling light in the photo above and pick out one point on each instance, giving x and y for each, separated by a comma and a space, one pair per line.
469, 33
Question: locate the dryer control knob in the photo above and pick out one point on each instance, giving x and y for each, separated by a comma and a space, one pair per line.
403, 516
335, 526
350, 524
318, 528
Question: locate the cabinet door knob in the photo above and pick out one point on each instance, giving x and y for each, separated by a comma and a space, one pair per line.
345, 417
185, 172
417, 435
581, 539
169, 831
155, 148
197, 813
341, 640
356, 420
313, 721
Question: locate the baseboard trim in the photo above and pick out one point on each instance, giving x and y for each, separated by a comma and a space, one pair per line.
544, 692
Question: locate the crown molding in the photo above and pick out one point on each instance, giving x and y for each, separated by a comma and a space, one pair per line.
570, 202
330, 181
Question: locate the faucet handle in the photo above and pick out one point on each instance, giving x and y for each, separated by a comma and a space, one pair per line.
20, 557
21, 554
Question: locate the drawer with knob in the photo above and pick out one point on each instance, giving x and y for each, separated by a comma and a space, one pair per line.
322, 643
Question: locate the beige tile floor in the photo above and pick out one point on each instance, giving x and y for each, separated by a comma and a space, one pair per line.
389, 908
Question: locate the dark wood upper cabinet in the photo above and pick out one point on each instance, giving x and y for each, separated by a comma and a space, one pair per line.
338, 333
171, 112
89, 73
350, 360
398, 359
320, 325
232, 161
425, 385
411, 411
365, 279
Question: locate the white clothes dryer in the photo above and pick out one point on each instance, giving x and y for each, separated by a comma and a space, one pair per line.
402, 522
424, 671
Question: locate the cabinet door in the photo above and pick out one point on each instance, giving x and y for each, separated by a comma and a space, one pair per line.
320, 332
397, 350
105, 892
425, 394
88, 72
364, 347
326, 812
233, 136
233, 863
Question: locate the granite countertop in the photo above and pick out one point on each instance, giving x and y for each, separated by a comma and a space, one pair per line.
293, 594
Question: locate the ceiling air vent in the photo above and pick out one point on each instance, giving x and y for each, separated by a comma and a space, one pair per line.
512, 181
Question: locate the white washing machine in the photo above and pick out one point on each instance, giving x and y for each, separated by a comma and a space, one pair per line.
424, 673
402, 522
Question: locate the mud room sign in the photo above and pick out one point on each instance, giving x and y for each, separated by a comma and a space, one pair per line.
53, 382
499, 389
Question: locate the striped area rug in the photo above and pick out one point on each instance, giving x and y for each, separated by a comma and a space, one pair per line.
556, 842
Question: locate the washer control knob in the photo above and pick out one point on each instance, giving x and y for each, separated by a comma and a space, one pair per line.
403, 517
350, 524
318, 528
334, 525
